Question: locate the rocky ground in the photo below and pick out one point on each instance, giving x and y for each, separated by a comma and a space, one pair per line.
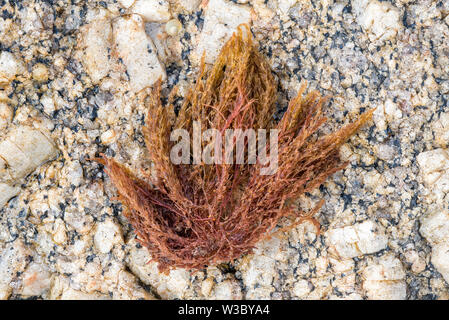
69, 75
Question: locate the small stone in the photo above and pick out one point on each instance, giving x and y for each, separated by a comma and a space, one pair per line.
138, 52
129, 288
12, 262
7, 192
40, 72
221, 20
384, 279
206, 286
227, 290
417, 263
385, 152
79, 221
441, 128
36, 280
173, 27
258, 270
362, 238
391, 110
168, 286
108, 136
9, 67
6, 114
107, 235
434, 167
48, 104
75, 173
435, 228
301, 288
23, 151
152, 10
60, 234
96, 43
440, 259
379, 19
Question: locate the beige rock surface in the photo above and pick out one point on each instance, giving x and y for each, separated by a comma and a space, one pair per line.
69, 74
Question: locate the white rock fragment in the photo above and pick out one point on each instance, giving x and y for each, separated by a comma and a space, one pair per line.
107, 235
59, 232
385, 152
285, 5
440, 259
301, 288
418, 264
36, 280
74, 173
441, 128
6, 114
23, 151
386, 113
9, 67
435, 228
380, 19
96, 44
40, 72
7, 192
152, 10
384, 279
81, 222
206, 286
392, 111
434, 166
169, 286
12, 261
173, 27
220, 21
362, 238
158, 34
108, 136
31, 21
258, 270
128, 288
227, 290
137, 51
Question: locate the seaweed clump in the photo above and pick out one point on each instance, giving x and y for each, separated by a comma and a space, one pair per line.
192, 216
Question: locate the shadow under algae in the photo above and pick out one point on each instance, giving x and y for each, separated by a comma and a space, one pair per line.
192, 216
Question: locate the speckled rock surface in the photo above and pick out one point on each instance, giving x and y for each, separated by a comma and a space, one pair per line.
70, 71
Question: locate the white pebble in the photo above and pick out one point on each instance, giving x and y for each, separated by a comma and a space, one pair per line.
384, 279
107, 235
108, 136
221, 19
137, 52
362, 238
173, 27
152, 10
9, 67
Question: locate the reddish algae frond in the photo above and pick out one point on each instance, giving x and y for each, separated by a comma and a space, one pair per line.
194, 215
